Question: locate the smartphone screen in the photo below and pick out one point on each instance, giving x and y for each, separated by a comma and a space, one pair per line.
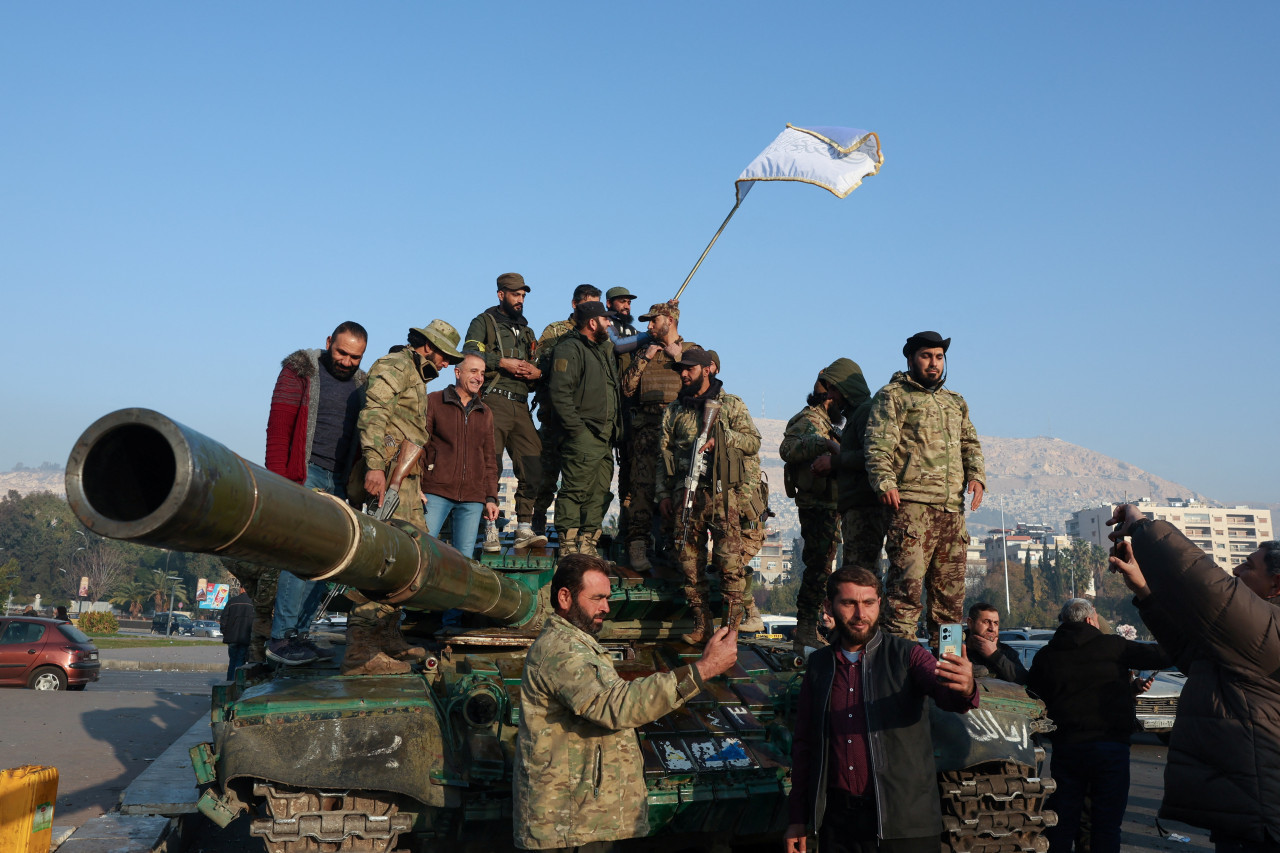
950, 636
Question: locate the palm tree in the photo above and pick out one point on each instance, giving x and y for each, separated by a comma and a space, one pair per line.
132, 595
160, 588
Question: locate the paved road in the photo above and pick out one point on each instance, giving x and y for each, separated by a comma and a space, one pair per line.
102, 737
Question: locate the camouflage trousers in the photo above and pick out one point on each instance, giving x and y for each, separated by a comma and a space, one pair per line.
926, 548
820, 530
711, 519
259, 584
864, 528
645, 456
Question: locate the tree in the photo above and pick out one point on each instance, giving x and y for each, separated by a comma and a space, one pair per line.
132, 594
780, 600
161, 588
103, 563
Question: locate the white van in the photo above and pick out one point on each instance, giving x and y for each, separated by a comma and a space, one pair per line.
775, 628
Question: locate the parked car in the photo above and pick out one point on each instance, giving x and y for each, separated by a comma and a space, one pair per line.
1026, 649
1008, 634
181, 623
45, 654
1157, 707
205, 628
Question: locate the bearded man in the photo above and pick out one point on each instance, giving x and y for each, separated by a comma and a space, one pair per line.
921, 452
311, 440
862, 773
579, 776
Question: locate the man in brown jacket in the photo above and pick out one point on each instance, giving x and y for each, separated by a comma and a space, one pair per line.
460, 468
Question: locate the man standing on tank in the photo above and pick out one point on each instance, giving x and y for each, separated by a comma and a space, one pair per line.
922, 457
395, 410
311, 440
502, 337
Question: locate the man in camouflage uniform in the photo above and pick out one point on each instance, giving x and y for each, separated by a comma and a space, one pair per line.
579, 773
395, 409
720, 499
583, 388
649, 383
809, 451
755, 528
921, 451
550, 432
502, 337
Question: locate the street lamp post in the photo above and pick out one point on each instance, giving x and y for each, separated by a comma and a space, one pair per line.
168, 628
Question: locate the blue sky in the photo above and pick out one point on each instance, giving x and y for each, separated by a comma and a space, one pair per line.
1083, 196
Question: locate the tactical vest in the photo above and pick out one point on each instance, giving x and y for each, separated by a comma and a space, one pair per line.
660, 383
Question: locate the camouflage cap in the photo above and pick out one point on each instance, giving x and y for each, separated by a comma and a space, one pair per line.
924, 340
619, 293
513, 281
715, 358
662, 309
695, 357
444, 338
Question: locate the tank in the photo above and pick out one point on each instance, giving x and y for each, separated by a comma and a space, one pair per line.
423, 761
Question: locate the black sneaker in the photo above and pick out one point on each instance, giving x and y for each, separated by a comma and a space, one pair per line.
321, 652
290, 652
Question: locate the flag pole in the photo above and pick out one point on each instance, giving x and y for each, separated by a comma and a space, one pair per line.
708, 249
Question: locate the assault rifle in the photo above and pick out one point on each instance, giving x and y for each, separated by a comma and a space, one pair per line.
698, 462
407, 457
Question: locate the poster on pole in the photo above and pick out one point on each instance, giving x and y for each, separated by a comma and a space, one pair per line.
201, 592
219, 595
84, 586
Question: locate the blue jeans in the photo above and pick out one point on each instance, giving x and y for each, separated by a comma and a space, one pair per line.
1099, 770
237, 653
466, 521
297, 600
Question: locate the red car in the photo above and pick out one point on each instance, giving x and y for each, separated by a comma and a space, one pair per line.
45, 654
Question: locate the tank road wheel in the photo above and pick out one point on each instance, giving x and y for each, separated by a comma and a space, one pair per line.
310, 821
996, 807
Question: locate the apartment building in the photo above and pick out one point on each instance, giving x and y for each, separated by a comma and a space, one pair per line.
1229, 534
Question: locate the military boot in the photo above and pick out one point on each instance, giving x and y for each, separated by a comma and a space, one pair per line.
393, 643
364, 657
806, 633
751, 618
587, 540
637, 557
568, 540
702, 628
492, 545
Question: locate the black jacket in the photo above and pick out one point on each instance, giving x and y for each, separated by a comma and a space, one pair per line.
1223, 771
237, 621
1083, 677
1004, 664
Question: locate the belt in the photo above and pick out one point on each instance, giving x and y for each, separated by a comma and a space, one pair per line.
515, 398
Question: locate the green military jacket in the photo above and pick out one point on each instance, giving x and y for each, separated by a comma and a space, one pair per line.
736, 438
584, 386
922, 443
579, 774
395, 408
495, 335
805, 440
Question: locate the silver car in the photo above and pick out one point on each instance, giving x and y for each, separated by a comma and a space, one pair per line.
205, 628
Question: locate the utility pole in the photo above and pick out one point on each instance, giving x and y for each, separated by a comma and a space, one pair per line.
1004, 546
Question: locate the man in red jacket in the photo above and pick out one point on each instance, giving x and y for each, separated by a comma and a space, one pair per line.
460, 465
311, 440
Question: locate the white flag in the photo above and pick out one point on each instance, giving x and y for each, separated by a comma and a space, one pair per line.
834, 158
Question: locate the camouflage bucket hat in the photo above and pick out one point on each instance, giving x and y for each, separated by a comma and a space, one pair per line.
444, 338
664, 309
845, 376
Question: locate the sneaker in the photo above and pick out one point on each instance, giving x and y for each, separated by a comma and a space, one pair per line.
289, 653
321, 652
491, 543
526, 538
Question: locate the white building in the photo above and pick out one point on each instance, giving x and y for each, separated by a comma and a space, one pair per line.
1229, 534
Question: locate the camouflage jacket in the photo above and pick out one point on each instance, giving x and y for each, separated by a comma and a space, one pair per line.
579, 774
736, 440
494, 335
645, 383
805, 440
395, 407
922, 443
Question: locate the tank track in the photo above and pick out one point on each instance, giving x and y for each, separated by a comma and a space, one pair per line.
996, 807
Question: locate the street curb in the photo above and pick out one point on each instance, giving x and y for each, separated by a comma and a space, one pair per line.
164, 666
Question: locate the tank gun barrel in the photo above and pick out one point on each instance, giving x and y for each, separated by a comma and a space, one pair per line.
142, 477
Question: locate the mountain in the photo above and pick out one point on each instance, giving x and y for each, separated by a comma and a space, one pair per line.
1038, 480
